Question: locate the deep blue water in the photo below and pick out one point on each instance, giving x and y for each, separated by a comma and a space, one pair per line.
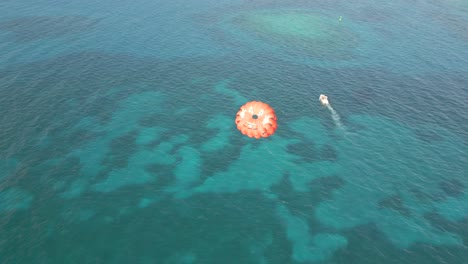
118, 142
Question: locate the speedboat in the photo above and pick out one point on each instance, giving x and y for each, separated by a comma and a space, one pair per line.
324, 99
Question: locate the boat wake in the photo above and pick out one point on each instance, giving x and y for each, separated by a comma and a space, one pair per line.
336, 118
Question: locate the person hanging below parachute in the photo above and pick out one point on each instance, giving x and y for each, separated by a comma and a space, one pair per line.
256, 119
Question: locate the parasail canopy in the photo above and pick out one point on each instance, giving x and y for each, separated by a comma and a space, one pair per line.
256, 119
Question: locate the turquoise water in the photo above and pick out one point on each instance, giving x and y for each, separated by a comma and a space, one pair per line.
118, 142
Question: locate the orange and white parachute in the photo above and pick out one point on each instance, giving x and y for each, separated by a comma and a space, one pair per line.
256, 119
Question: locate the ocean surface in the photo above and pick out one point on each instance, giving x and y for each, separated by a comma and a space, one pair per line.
118, 142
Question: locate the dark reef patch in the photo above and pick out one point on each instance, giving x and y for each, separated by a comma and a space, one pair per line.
328, 153
32, 28
395, 202
452, 187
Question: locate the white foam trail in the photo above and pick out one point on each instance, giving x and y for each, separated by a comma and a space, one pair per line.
335, 116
